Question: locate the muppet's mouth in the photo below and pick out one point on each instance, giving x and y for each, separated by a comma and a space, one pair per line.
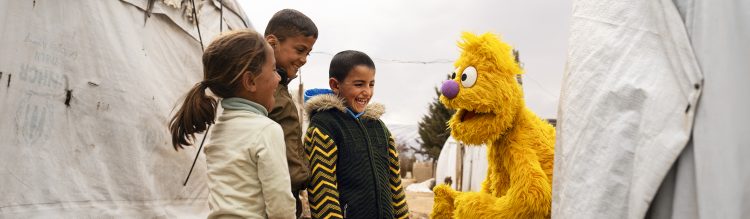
468, 114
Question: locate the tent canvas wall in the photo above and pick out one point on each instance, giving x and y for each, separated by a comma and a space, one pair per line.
471, 165
87, 89
653, 104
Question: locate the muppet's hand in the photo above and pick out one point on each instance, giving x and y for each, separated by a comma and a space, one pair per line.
443, 206
480, 205
452, 204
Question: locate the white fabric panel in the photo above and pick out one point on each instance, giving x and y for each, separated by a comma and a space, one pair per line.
475, 168
108, 152
474, 165
626, 107
446, 163
719, 31
677, 196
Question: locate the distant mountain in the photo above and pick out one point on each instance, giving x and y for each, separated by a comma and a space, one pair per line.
405, 134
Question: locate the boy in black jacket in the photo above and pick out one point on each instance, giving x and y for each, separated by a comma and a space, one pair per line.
353, 157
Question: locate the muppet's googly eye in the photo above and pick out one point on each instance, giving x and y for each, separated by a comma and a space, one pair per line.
469, 77
453, 75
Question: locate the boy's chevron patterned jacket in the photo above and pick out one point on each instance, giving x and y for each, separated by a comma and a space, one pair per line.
355, 169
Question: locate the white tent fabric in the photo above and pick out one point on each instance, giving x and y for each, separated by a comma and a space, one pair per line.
87, 89
475, 168
474, 165
626, 108
446, 163
711, 176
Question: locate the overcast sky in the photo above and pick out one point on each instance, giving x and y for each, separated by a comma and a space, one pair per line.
427, 31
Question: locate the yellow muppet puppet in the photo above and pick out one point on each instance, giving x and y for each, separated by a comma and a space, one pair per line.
520, 145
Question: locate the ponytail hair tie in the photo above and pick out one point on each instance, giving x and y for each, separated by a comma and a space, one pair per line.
202, 85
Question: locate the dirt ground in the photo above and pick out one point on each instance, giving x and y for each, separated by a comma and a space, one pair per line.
420, 204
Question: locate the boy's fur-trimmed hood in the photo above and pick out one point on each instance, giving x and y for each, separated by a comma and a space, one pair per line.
324, 102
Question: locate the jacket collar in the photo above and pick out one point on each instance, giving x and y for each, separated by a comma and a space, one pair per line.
236, 103
324, 102
284, 78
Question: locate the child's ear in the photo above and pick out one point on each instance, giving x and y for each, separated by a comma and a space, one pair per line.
334, 84
272, 40
248, 83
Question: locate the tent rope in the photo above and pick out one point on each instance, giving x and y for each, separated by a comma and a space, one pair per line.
197, 25
221, 17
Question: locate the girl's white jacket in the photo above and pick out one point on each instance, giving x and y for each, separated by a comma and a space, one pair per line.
247, 171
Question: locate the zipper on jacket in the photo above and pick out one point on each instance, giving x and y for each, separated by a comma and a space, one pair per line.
346, 206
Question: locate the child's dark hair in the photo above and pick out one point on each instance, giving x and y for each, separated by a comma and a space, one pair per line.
290, 23
224, 62
344, 61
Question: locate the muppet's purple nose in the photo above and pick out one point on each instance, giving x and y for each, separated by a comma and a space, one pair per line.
449, 89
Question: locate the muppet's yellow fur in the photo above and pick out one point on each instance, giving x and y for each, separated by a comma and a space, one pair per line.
520, 145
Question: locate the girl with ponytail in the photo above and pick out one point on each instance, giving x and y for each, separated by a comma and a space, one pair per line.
245, 156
